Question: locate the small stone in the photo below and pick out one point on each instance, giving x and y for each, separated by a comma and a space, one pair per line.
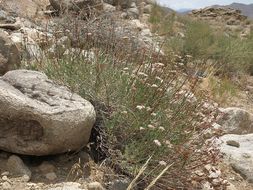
214, 174
231, 187
216, 126
95, 186
225, 182
148, 9
133, 5
67, 186
233, 143
17, 167
108, 8
85, 159
133, 13
84, 156
246, 155
199, 173
123, 15
32, 184
207, 186
5, 173
208, 167
216, 182
51, 176
119, 184
6, 185
5, 178
10, 55
46, 167
25, 178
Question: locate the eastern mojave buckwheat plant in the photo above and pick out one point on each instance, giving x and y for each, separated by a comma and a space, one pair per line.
146, 104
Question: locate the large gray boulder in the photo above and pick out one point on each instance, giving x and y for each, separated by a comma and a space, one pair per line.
39, 117
236, 121
238, 152
9, 54
24, 8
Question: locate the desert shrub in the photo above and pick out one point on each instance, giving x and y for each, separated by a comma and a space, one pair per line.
233, 56
199, 39
220, 89
162, 20
149, 112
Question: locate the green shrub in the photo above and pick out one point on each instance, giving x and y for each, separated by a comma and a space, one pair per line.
222, 89
232, 55
162, 20
199, 39
148, 111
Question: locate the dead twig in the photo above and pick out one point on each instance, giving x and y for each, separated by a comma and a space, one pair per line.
14, 26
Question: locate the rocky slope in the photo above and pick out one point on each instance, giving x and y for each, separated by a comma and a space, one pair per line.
246, 10
228, 20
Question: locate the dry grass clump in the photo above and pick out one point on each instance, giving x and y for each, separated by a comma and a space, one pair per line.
148, 112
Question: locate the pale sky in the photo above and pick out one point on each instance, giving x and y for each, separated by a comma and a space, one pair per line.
193, 4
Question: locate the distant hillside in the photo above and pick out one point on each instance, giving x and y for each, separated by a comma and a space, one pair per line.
168, 10
184, 11
247, 10
226, 19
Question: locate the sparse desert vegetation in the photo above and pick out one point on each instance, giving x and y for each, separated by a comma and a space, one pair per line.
146, 108
157, 81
